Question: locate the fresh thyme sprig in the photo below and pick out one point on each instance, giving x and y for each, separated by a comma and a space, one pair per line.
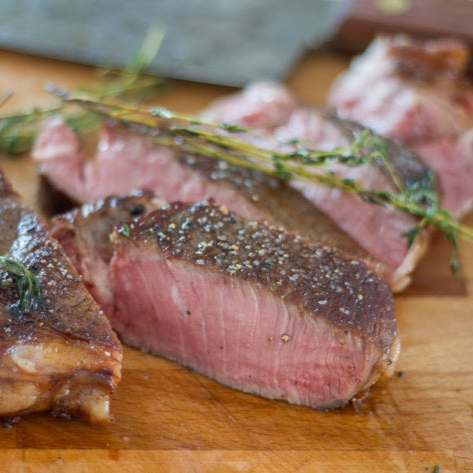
18, 130
198, 135
29, 288
194, 135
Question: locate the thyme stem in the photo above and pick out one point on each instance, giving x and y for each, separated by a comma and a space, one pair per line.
194, 135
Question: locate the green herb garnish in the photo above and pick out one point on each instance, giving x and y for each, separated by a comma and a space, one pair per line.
29, 288
124, 230
18, 130
193, 135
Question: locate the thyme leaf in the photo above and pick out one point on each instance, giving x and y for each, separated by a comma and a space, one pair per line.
124, 230
416, 197
29, 288
232, 128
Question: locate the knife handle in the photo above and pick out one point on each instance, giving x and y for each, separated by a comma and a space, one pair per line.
422, 18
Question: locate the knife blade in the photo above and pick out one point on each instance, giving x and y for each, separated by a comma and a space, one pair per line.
217, 41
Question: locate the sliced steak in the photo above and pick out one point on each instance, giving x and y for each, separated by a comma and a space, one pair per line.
417, 93
126, 161
62, 355
379, 230
251, 306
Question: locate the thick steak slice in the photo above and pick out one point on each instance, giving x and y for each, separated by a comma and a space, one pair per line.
126, 161
61, 357
416, 92
252, 307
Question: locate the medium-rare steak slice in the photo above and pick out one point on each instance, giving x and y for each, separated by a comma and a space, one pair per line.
416, 92
251, 306
126, 161
379, 230
59, 355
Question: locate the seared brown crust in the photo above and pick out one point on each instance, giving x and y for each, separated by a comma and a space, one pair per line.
429, 59
51, 200
318, 279
279, 203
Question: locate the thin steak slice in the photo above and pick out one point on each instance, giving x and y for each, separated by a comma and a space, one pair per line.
379, 230
251, 306
126, 161
62, 356
417, 92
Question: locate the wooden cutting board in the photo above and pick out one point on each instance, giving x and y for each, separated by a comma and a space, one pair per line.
169, 419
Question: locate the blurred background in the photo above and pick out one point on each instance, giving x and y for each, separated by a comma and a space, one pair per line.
217, 41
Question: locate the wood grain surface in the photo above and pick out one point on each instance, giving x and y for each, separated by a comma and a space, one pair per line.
167, 418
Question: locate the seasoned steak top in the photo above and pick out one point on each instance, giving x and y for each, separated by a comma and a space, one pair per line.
68, 308
319, 280
278, 203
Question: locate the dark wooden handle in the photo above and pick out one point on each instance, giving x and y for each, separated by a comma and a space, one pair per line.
424, 18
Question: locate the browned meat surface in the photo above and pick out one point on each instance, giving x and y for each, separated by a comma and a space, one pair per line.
126, 161
252, 307
61, 356
417, 93
429, 59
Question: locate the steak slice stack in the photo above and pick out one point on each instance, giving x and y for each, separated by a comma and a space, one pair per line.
60, 355
245, 303
126, 161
